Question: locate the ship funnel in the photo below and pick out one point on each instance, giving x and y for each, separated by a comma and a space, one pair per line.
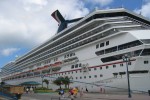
62, 22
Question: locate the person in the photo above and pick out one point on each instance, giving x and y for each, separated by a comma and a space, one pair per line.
75, 91
87, 90
81, 92
61, 93
31, 90
27, 90
71, 93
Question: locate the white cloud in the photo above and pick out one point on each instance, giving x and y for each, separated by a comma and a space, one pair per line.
8, 51
101, 2
37, 4
28, 23
144, 9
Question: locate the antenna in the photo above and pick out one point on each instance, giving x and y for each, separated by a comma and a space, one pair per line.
122, 4
142, 2
96, 8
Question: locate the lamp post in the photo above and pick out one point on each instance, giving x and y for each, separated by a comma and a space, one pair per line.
127, 59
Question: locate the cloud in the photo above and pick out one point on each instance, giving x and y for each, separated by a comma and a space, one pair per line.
37, 4
28, 23
144, 9
101, 3
8, 51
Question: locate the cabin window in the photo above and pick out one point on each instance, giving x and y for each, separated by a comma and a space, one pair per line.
76, 66
85, 77
146, 52
106, 67
80, 77
100, 68
94, 68
97, 46
101, 75
102, 45
115, 74
80, 71
99, 52
121, 65
89, 69
80, 65
72, 66
114, 66
145, 62
129, 63
129, 45
95, 76
109, 50
107, 43
89, 76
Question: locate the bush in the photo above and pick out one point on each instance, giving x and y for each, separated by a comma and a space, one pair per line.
65, 90
42, 90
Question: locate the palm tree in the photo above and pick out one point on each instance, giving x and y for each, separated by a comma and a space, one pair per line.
46, 82
62, 80
67, 81
58, 81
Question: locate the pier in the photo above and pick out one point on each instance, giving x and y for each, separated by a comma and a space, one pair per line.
86, 96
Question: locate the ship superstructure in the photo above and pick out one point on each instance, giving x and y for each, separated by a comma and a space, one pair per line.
91, 51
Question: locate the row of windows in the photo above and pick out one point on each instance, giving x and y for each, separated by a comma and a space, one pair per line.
119, 57
146, 62
102, 44
76, 66
119, 47
95, 76
55, 59
69, 55
65, 73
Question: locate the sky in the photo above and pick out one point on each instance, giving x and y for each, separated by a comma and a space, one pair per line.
25, 24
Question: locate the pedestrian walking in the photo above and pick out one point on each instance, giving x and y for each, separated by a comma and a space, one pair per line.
27, 90
61, 93
87, 90
75, 91
31, 90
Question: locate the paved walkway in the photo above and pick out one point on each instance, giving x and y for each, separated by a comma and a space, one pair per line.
87, 96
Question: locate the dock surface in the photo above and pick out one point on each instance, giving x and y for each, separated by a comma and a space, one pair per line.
86, 96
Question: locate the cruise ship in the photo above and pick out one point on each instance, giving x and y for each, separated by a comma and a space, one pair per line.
90, 52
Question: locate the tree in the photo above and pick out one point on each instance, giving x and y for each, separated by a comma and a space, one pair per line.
58, 81
62, 80
46, 82
67, 81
